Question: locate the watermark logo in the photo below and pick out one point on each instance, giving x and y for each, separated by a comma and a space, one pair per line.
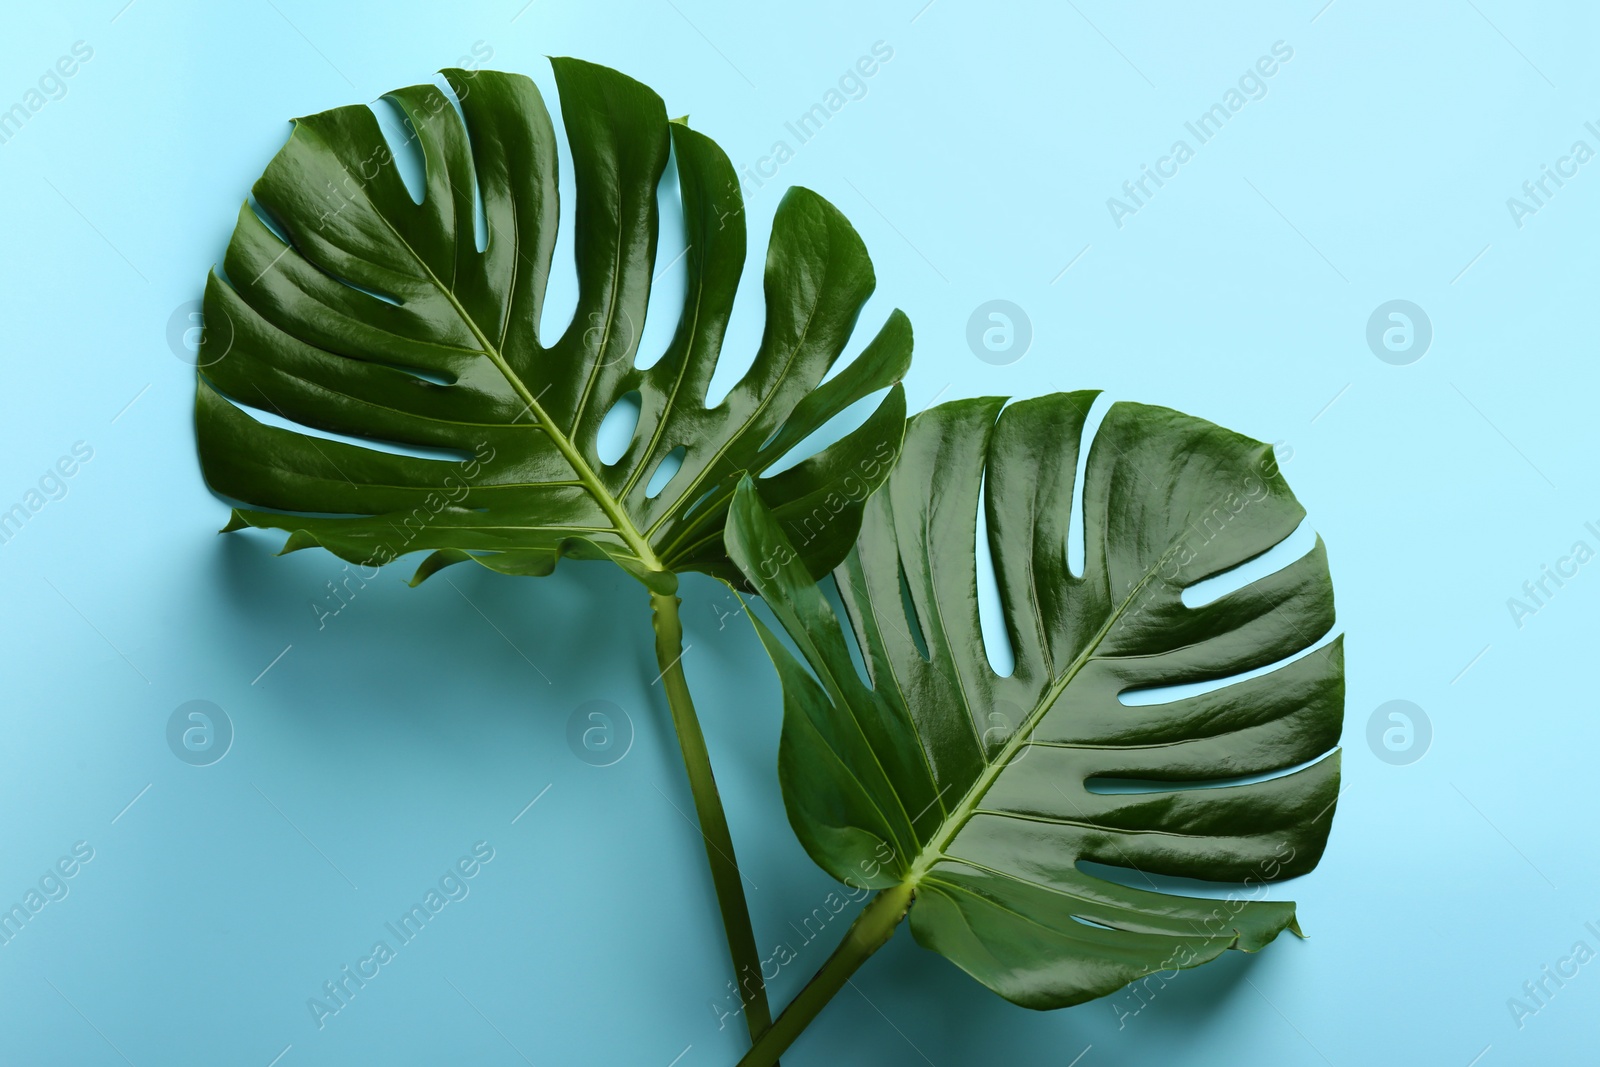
999, 332
599, 733
1003, 721
199, 733
188, 339
1399, 332
1399, 732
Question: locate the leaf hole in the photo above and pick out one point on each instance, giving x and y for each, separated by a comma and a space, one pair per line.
480, 218
763, 610
909, 608
746, 329
1174, 885
699, 502
374, 293
669, 278
830, 589
434, 377
1078, 522
991, 616
617, 428
841, 425
270, 221
1108, 786
561, 290
1166, 694
404, 147
261, 410
669, 465
1302, 540
272, 224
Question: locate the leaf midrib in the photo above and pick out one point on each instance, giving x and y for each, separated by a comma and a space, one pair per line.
963, 811
580, 466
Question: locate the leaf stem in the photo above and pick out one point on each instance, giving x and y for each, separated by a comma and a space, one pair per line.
871, 931
725, 874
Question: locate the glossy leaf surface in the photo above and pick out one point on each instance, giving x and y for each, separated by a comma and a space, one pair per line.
985, 793
348, 307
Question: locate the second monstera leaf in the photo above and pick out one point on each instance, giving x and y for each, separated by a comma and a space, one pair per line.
973, 798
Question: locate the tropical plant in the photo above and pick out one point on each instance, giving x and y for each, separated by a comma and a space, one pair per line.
349, 307
971, 799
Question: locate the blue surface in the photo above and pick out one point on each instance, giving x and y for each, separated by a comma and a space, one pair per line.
374, 750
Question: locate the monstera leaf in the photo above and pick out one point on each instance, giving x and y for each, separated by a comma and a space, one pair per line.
975, 797
354, 311
351, 308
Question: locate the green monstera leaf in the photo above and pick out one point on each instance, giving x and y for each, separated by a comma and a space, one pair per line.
974, 798
351, 310
359, 311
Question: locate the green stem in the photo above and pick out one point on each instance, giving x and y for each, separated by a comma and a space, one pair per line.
871, 931
713, 820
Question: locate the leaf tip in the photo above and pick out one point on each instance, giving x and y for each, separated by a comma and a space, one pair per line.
298, 539
436, 562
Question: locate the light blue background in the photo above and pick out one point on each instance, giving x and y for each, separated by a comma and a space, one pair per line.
377, 750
